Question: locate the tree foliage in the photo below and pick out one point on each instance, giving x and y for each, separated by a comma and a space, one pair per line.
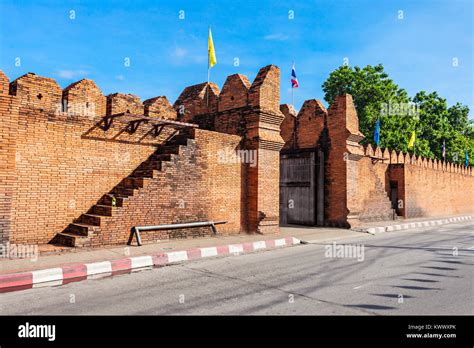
376, 95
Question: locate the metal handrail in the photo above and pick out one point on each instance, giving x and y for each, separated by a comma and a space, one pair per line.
136, 229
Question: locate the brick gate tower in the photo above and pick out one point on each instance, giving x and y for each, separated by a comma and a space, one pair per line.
253, 112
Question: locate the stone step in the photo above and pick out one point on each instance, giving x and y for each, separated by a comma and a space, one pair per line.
90, 219
169, 149
123, 192
71, 239
180, 139
104, 210
132, 182
146, 173
108, 200
81, 229
162, 157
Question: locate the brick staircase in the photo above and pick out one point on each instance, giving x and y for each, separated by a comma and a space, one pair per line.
378, 207
83, 229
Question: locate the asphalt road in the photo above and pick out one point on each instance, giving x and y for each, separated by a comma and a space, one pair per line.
405, 272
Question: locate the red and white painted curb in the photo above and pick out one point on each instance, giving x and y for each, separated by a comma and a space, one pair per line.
410, 225
78, 272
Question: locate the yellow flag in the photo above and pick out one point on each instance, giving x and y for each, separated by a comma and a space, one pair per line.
210, 51
412, 140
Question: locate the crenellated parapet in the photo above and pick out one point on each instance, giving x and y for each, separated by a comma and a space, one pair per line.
84, 98
159, 107
394, 157
119, 102
4, 83
196, 100
265, 90
288, 126
234, 92
37, 92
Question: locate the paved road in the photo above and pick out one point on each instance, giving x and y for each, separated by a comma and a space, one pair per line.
407, 272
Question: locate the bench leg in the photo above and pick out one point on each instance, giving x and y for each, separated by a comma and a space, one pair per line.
139, 240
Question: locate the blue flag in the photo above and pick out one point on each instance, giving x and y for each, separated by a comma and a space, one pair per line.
377, 132
467, 159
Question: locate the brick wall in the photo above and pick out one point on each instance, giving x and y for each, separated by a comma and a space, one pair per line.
426, 189
358, 181
256, 117
8, 138
61, 161
57, 165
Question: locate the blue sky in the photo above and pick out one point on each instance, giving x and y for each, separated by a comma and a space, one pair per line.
168, 53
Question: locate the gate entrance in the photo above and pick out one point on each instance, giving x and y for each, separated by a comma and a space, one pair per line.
302, 187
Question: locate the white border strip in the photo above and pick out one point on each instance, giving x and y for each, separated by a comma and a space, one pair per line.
141, 261
50, 276
209, 252
177, 256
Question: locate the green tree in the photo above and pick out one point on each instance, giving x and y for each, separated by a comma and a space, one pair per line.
374, 93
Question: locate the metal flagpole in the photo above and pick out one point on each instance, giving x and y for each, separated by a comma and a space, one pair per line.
207, 87
208, 68
292, 87
414, 148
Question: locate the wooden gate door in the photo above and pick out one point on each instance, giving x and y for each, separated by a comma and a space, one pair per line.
301, 188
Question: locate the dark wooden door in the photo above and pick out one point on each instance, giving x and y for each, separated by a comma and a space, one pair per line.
300, 201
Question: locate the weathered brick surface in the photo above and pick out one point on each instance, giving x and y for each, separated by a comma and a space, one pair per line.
234, 93
310, 124
71, 164
265, 90
358, 180
287, 127
67, 177
160, 107
8, 138
37, 92
257, 118
426, 191
119, 102
84, 98
195, 100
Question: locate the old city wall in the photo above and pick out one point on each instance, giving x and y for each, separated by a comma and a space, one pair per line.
57, 161
358, 179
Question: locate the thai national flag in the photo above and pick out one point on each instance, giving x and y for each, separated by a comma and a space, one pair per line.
294, 80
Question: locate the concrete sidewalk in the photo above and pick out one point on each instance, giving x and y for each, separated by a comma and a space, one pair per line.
82, 264
305, 234
405, 224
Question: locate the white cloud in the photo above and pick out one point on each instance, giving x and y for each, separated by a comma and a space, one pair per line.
120, 77
71, 74
180, 52
277, 37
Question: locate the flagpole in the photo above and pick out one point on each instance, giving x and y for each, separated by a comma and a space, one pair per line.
414, 147
208, 68
293, 89
207, 87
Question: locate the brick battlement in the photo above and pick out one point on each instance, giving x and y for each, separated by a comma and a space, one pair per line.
64, 162
392, 157
80, 178
85, 98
